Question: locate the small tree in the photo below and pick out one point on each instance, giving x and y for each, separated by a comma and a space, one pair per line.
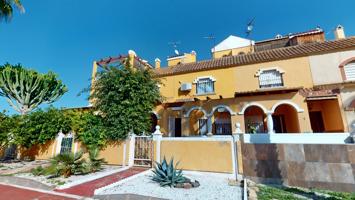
26, 89
7, 8
125, 96
7, 126
40, 126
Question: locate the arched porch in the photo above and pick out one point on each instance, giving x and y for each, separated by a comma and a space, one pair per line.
255, 119
221, 120
285, 119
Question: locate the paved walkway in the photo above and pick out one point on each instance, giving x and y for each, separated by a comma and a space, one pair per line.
13, 180
10, 192
87, 189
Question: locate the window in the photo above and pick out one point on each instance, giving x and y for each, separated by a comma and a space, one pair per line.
204, 85
66, 145
270, 78
349, 70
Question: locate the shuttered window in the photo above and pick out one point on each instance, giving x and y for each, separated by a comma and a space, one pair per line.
349, 71
270, 78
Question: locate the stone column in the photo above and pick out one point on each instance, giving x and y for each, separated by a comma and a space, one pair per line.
132, 143
209, 125
157, 136
270, 123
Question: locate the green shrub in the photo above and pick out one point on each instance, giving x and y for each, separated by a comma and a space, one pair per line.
167, 174
95, 163
68, 164
38, 171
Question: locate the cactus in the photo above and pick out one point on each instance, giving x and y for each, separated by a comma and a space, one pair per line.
6, 8
26, 89
167, 174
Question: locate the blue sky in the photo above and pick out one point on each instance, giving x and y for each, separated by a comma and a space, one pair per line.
66, 36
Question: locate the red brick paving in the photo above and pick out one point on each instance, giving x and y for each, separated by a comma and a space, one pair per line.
87, 189
10, 192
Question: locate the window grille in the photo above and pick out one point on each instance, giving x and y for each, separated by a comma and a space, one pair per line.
204, 86
66, 145
223, 128
270, 78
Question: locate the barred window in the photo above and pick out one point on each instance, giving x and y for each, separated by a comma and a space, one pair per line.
270, 78
66, 145
205, 86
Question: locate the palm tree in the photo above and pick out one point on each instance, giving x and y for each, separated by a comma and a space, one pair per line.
7, 8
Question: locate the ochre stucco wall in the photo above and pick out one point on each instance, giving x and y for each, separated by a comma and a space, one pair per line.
213, 156
40, 152
237, 79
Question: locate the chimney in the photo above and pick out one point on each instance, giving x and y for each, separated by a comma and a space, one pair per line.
339, 32
131, 56
157, 63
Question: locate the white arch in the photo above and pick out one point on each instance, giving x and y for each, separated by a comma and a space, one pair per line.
195, 108
295, 106
253, 104
222, 106
156, 114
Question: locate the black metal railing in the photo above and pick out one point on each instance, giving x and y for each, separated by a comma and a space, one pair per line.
223, 128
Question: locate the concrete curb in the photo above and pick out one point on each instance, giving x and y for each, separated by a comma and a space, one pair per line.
47, 192
90, 178
245, 190
99, 190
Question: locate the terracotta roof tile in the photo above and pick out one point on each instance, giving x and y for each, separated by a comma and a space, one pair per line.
259, 57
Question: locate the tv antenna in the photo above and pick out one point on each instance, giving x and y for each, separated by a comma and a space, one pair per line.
175, 45
250, 27
212, 38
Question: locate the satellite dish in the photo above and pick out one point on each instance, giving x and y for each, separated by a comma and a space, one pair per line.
176, 52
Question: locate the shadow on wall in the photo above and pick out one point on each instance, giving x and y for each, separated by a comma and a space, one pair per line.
40, 151
267, 162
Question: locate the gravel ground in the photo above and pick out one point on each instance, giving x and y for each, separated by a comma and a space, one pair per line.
13, 167
61, 180
213, 186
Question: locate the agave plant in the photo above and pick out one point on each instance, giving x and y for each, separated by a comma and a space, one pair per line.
95, 163
68, 164
167, 174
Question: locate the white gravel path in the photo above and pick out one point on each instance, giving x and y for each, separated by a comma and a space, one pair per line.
213, 186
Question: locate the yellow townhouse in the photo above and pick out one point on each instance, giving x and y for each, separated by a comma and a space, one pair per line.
272, 86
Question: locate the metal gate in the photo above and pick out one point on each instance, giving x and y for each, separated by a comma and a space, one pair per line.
143, 151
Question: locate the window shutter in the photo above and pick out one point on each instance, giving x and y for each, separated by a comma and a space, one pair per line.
349, 70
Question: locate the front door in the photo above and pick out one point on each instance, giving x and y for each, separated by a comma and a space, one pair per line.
177, 127
317, 123
279, 123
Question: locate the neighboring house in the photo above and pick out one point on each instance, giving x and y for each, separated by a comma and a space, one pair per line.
275, 85
334, 72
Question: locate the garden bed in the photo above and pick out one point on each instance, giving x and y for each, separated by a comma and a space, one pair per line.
266, 192
212, 186
16, 166
61, 182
